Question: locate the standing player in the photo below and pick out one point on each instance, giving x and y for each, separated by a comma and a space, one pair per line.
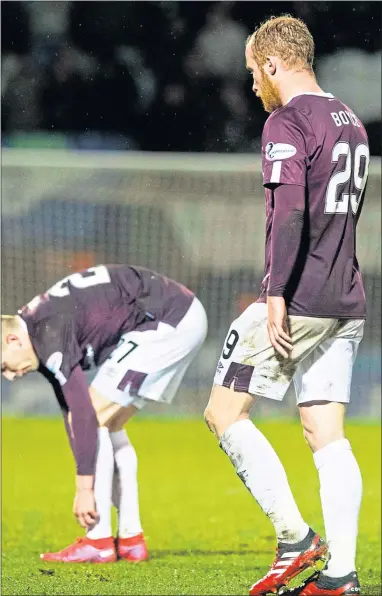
309, 319
142, 330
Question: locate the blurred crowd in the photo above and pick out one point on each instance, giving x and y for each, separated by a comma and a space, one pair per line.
169, 76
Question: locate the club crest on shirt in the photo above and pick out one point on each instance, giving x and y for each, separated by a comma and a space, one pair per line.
277, 151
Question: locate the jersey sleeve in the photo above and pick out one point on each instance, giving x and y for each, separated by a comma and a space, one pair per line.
57, 347
286, 144
80, 419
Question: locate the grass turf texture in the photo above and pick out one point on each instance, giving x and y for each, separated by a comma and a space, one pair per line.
204, 532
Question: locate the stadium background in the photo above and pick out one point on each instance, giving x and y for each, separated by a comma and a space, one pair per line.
130, 134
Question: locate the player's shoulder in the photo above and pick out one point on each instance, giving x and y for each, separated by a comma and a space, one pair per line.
286, 133
45, 314
126, 271
37, 309
324, 108
287, 117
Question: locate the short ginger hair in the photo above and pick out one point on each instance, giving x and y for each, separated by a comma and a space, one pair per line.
286, 37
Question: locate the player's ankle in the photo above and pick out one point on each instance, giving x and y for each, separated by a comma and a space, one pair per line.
338, 570
300, 536
131, 538
105, 542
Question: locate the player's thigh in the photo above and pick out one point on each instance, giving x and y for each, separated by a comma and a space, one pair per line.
248, 361
110, 414
326, 373
323, 384
150, 362
225, 407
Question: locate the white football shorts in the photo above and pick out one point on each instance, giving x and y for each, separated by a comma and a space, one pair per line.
320, 364
150, 364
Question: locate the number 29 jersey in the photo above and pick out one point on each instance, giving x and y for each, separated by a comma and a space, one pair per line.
317, 142
80, 320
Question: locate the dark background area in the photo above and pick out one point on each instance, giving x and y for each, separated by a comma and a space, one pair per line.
167, 76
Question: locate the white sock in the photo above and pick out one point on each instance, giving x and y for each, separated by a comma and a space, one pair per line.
341, 494
259, 467
127, 488
103, 485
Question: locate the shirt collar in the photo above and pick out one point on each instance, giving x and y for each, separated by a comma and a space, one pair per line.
328, 95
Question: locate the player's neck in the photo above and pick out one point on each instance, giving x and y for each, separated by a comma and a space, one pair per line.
298, 83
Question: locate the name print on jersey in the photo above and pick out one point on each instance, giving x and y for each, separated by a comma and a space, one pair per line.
345, 117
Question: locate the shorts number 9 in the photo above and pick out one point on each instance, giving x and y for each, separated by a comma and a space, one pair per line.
230, 344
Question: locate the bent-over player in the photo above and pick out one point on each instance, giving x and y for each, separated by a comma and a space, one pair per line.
309, 319
142, 330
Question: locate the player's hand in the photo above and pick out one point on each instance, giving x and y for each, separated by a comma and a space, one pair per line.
84, 508
277, 325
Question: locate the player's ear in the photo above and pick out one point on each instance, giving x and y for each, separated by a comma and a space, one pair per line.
270, 65
12, 338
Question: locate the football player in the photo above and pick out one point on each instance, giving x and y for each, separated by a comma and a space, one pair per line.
142, 331
308, 321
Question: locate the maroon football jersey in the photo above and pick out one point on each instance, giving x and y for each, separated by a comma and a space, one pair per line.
317, 142
81, 318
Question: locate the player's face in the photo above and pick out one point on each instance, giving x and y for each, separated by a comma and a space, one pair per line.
263, 86
18, 358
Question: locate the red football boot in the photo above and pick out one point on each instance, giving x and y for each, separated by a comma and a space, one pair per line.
85, 550
291, 559
132, 549
323, 585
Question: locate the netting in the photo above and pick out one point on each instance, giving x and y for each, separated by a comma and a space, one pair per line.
196, 218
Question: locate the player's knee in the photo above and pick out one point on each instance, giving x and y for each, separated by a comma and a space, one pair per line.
323, 423
209, 419
317, 438
113, 427
226, 407
219, 419
309, 438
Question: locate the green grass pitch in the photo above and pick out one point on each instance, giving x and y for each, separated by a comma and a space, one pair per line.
205, 533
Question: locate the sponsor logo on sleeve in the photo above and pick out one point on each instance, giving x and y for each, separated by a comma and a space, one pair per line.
53, 364
277, 151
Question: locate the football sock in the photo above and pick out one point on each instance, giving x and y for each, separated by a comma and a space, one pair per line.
103, 485
301, 546
259, 467
128, 505
341, 494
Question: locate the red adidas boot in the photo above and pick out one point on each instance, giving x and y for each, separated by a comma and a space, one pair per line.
85, 550
132, 549
291, 559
